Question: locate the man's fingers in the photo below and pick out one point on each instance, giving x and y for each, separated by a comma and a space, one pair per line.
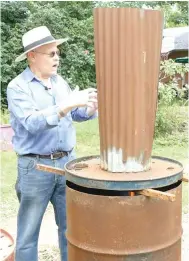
92, 105
81, 105
89, 90
93, 100
93, 95
84, 97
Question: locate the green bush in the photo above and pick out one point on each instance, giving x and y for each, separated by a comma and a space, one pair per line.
171, 116
64, 19
73, 19
170, 120
169, 92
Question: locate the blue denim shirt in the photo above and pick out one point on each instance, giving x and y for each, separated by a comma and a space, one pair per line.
34, 115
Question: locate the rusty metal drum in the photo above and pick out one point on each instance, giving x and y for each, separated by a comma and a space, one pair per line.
111, 225
6, 246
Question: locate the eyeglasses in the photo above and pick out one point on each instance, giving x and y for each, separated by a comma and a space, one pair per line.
52, 54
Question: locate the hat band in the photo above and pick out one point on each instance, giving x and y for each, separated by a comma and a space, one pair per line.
37, 43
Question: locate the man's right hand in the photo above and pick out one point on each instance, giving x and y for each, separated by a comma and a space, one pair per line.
78, 99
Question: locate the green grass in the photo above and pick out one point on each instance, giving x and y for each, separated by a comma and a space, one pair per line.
87, 144
9, 202
4, 117
172, 146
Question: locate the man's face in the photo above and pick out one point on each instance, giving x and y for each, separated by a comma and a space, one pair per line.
45, 59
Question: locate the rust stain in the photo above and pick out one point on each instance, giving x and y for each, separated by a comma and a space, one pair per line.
79, 166
170, 168
159, 169
127, 51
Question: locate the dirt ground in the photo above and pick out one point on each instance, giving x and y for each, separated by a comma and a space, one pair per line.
48, 233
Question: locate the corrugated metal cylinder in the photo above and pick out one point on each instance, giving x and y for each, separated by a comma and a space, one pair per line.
123, 228
127, 54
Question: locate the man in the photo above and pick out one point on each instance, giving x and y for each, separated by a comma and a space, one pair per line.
42, 108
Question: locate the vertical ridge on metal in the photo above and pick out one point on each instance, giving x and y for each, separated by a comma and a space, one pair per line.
127, 53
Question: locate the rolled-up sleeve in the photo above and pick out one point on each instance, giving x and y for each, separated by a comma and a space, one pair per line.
25, 110
80, 114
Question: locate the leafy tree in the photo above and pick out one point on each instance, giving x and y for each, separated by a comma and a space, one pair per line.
13, 17
64, 19
179, 15
175, 12
73, 19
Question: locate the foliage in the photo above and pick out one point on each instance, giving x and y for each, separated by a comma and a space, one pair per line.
73, 19
178, 15
175, 12
171, 68
13, 18
168, 89
171, 116
166, 94
170, 120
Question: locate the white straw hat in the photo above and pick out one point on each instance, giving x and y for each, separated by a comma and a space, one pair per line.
37, 37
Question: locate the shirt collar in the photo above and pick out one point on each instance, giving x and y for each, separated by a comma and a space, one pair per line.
29, 75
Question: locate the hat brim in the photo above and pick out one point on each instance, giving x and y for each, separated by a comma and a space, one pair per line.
23, 55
